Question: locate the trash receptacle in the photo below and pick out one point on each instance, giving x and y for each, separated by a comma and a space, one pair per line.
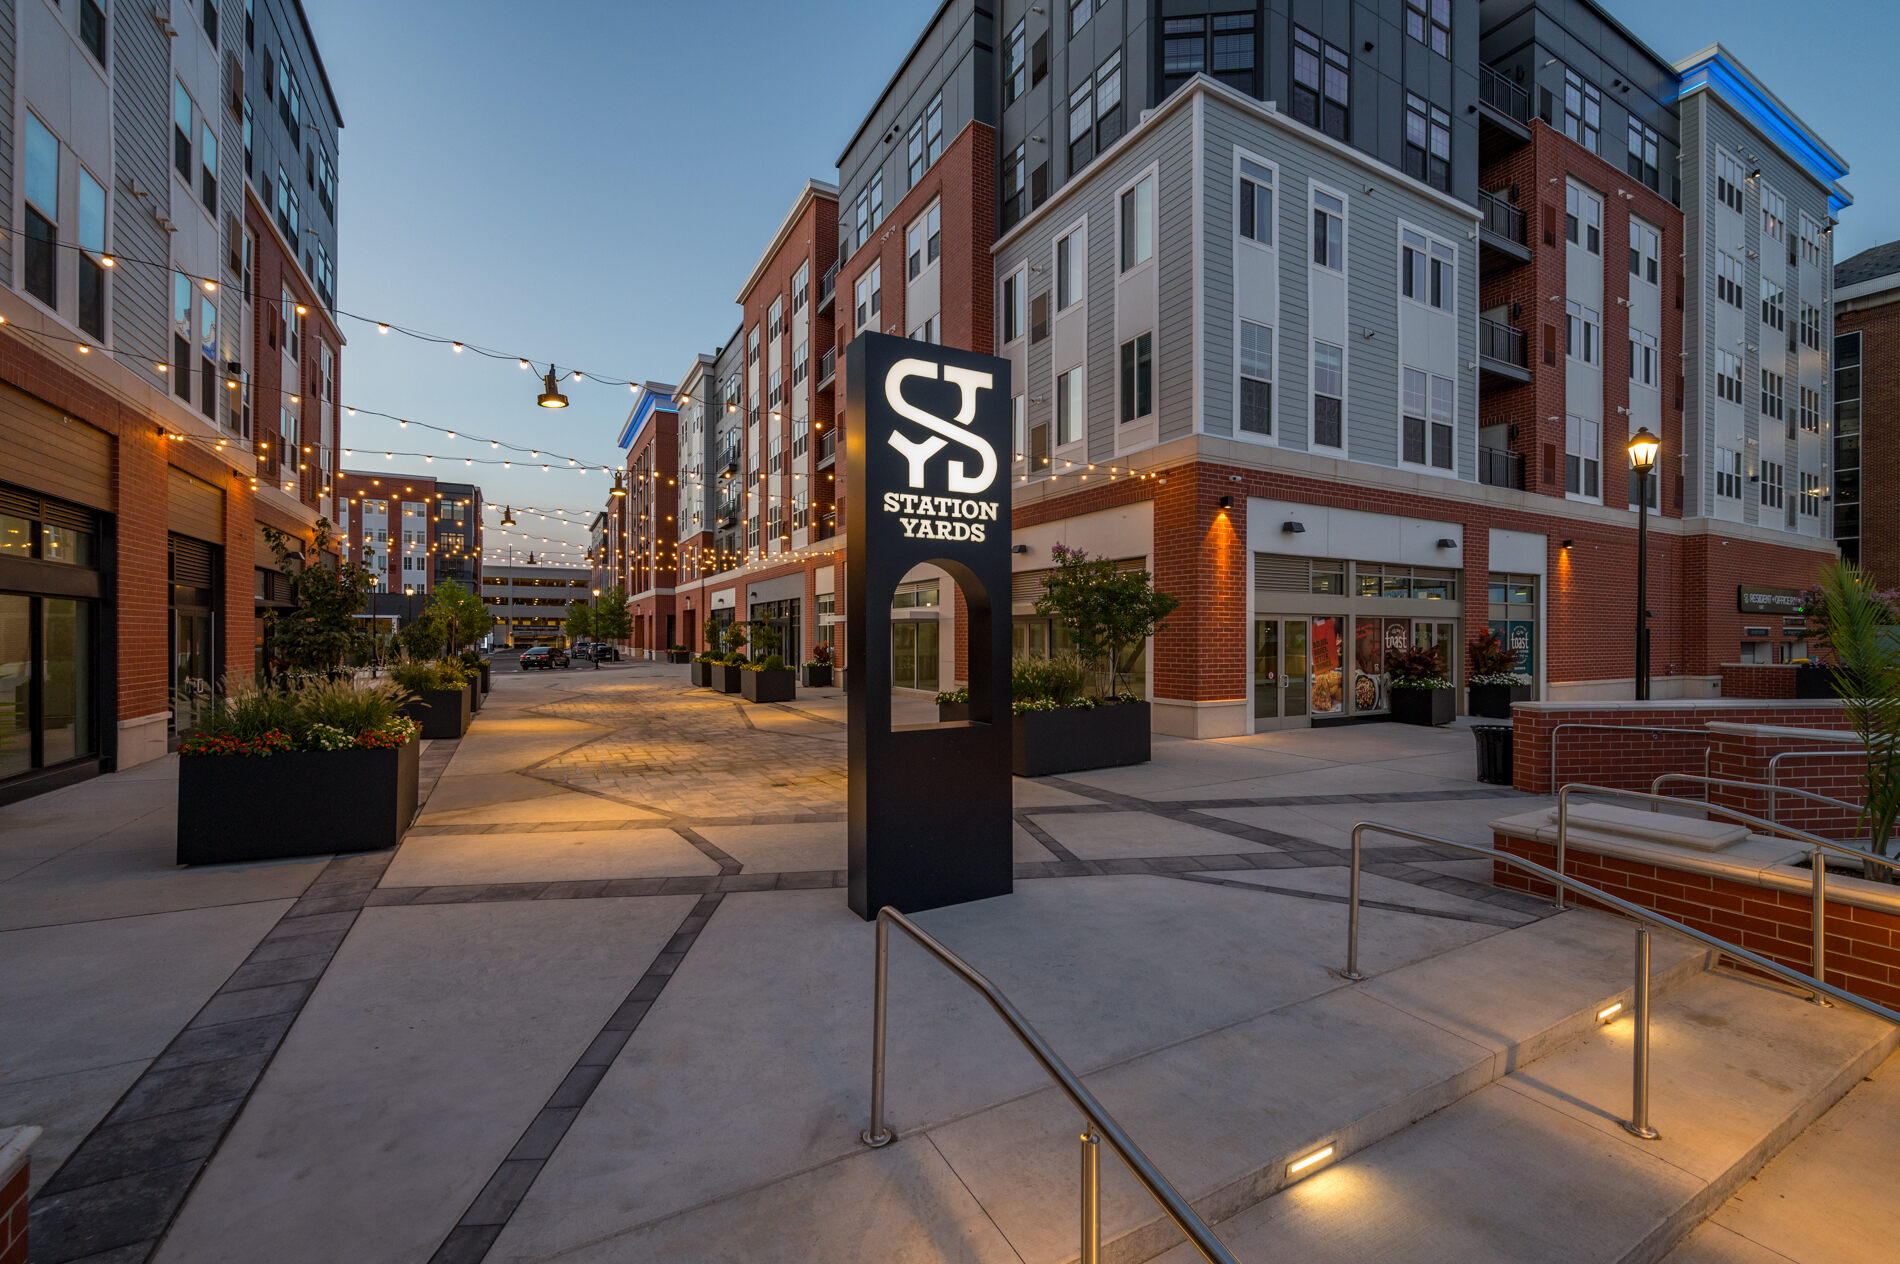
1494, 753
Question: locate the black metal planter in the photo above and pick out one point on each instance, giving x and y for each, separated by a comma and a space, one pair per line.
1074, 739
700, 674
231, 807
768, 686
815, 675
474, 688
677, 656
725, 677
1424, 706
951, 712
442, 713
1494, 702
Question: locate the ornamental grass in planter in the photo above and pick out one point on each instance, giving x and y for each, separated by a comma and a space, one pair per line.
1495, 684
726, 673
439, 699
348, 740
1059, 726
699, 672
768, 681
1420, 692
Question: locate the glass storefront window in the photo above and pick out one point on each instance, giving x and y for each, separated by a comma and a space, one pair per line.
16, 536
1329, 577
16, 684
1328, 668
66, 683
1369, 678
63, 544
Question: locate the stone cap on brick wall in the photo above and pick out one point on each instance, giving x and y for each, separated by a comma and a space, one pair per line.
15, 1143
1847, 736
1679, 704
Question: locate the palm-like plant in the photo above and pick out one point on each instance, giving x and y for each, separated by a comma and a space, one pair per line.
1865, 643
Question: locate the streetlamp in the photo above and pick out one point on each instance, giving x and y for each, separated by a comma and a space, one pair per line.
1644, 448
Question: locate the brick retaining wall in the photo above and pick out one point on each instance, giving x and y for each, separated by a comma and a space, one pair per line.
1631, 760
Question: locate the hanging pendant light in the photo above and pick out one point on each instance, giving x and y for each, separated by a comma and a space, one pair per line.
619, 490
551, 397
508, 516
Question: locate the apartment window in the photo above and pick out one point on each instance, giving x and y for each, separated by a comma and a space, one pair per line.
877, 199
1728, 181
1583, 111
1138, 223
1728, 474
1065, 271
1138, 377
1773, 305
1079, 11
1013, 186
1644, 351
208, 359
1728, 279
1108, 102
247, 136
1812, 250
1772, 387
181, 335
1427, 143
1329, 391
181, 130
1774, 214
1771, 484
1442, 411
1329, 231
1081, 126
1015, 69
752, 346
208, 14
1255, 214
1256, 378
775, 391
1810, 503
208, 185
1427, 419
1583, 332
42, 212
1015, 294
1810, 410
1645, 248
1039, 317
775, 463
1583, 218
930, 331
92, 29
1583, 455
1070, 398
1810, 326
1728, 376
1018, 425
1427, 270
801, 287
869, 299
293, 327
775, 319
92, 249
1183, 51
1645, 149
1322, 84
863, 207
933, 131
1429, 22
914, 152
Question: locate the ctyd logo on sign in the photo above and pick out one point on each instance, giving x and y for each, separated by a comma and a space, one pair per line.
929, 804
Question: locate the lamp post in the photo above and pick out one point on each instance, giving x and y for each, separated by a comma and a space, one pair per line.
1644, 448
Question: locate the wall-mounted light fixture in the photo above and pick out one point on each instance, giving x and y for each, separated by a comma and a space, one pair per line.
1019, 548
1446, 542
1226, 502
1293, 526
1568, 543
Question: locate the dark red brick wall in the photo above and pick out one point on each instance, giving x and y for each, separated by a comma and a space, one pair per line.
1758, 680
272, 273
13, 1208
1538, 171
1863, 945
1631, 759
1880, 436
1748, 755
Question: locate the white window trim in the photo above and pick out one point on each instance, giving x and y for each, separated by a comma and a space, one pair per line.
1077, 446
1345, 228
1258, 160
1398, 422
1079, 232
1152, 170
1433, 239
1273, 409
1279, 228
1021, 277
1345, 402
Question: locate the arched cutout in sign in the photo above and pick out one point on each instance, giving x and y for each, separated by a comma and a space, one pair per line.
926, 428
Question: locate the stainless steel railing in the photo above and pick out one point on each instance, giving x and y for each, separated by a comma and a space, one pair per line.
1557, 731
1774, 792
1638, 1122
1099, 1124
1817, 959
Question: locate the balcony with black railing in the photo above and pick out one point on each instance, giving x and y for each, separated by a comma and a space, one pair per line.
1504, 114
827, 287
827, 367
1501, 242
1500, 467
827, 446
1502, 358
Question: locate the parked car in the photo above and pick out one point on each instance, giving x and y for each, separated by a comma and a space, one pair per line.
547, 657
604, 652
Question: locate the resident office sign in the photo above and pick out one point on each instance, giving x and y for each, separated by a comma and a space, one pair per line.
925, 430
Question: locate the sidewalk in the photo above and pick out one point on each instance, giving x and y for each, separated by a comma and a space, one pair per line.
610, 976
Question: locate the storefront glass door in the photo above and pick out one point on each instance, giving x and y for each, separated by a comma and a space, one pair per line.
1280, 673
914, 654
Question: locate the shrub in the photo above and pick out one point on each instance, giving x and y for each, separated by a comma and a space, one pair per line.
1061, 679
415, 677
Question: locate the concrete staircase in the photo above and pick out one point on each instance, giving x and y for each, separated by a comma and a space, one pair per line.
1474, 1102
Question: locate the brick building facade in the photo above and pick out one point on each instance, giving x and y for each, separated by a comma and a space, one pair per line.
1866, 404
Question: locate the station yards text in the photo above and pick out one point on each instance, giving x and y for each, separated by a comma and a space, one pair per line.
941, 517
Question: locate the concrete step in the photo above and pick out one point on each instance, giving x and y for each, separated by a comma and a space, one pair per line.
1812, 1203
1538, 1166
1223, 1114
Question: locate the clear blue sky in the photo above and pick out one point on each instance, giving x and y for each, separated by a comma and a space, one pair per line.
591, 182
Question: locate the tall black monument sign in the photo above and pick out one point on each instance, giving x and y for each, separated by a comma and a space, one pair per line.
926, 433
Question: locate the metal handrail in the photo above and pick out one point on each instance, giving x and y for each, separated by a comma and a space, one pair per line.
1774, 761
1638, 1122
1557, 730
1774, 793
1093, 1112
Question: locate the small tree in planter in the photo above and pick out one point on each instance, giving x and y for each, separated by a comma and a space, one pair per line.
1495, 682
1105, 611
1420, 692
725, 673
817, 671
320, 630
768, 680
702, 667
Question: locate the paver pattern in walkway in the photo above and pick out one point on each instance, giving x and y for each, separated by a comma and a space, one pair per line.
609, 976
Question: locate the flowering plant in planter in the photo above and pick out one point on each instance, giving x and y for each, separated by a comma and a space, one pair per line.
948, 696
820, 655
271, 742
1493, 662
1417, 668
314, 715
